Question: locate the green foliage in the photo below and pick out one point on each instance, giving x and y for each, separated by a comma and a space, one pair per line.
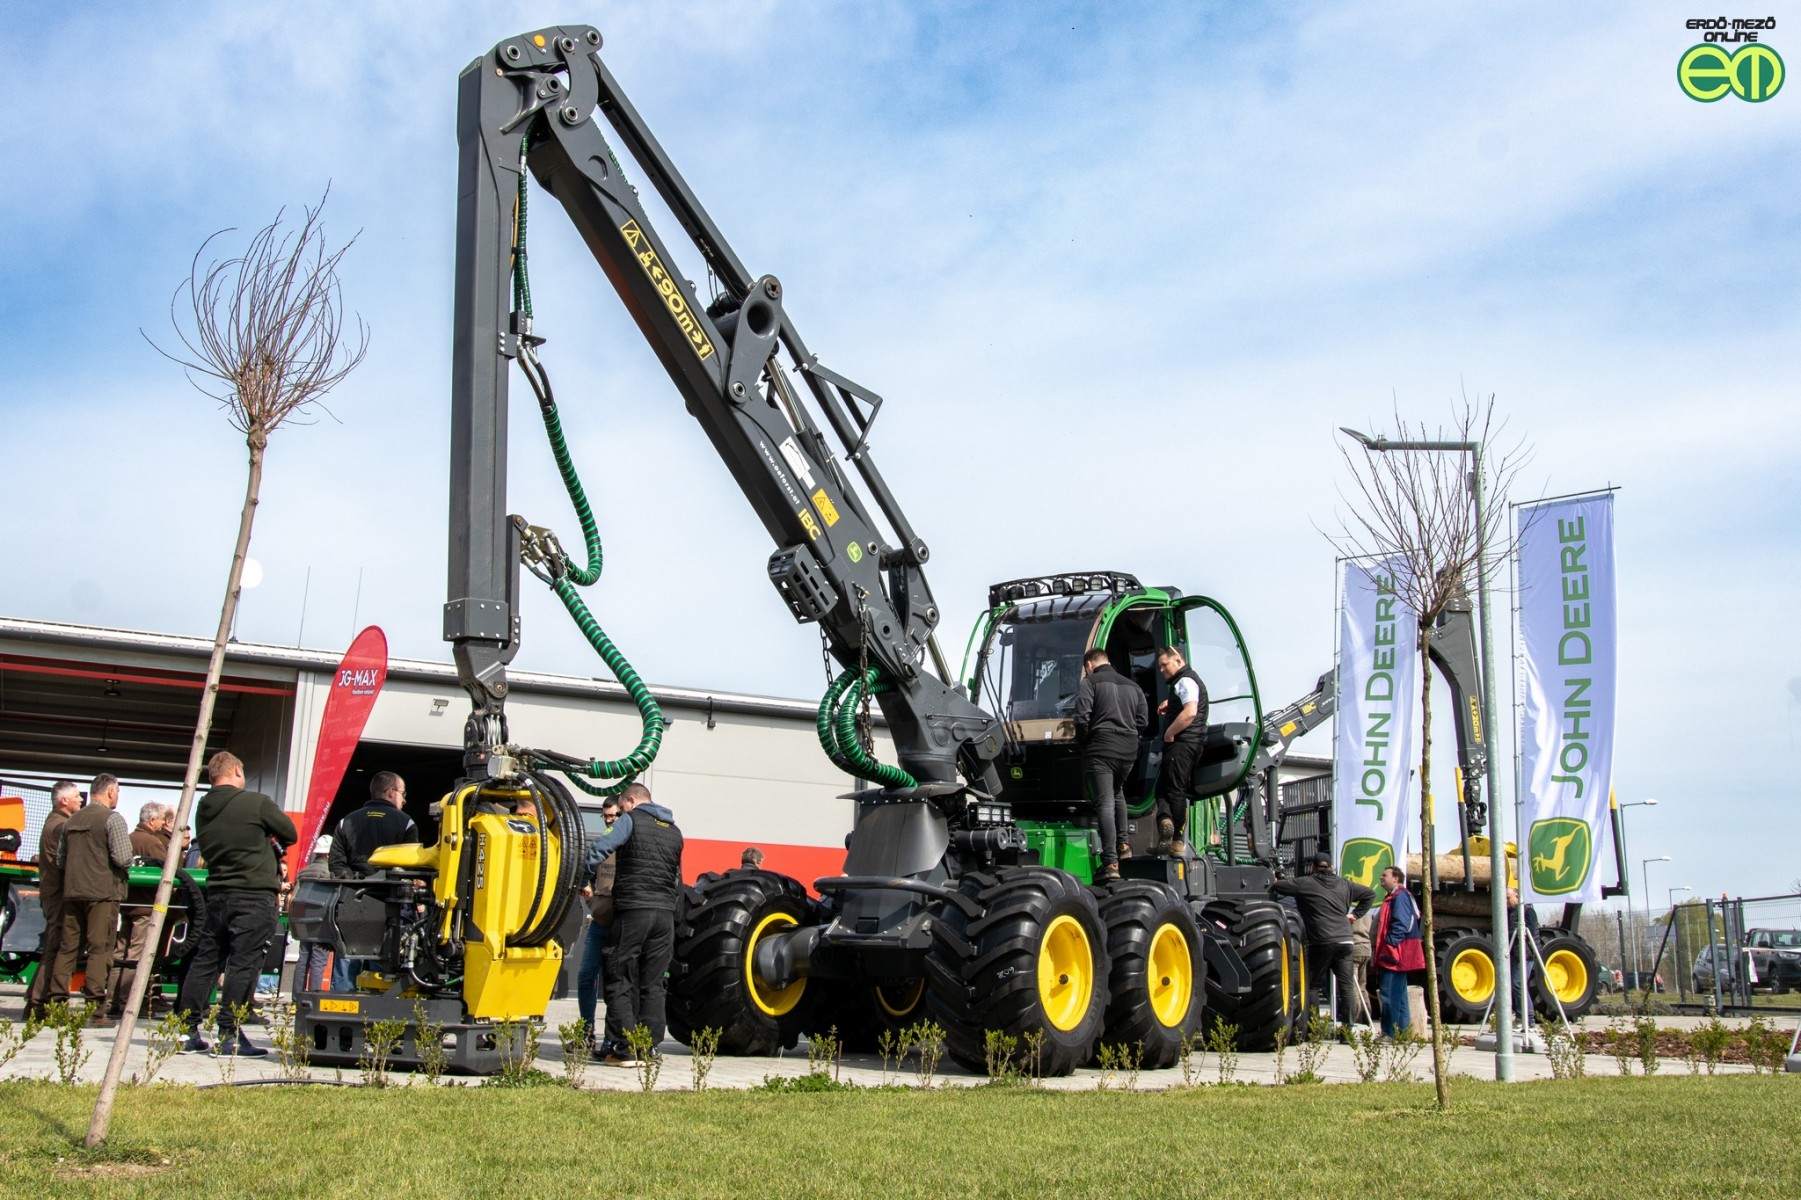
428, 1043
165, 1039
998, 1050
1366, 1052
573, 1037
517, 1042
1765, 1046
1644, 1036
1398, 1055
379, 1040
1120, 1064
649, 1058
68, 1022
13, 1038
1311, 1055
1222, 1040
290, 1048
1564, 1050
824, 1052
812, 1081
1621, 1043
1193, 1058
926, 1037
703, 1049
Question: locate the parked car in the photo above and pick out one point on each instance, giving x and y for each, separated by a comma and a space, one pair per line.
1775, 956
1713, 960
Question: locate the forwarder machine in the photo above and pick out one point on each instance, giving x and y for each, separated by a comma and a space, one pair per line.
966, 895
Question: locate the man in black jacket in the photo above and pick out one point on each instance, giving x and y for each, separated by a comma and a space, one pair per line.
1110, 714
1325, 899
381, 822
242, 835
646, 887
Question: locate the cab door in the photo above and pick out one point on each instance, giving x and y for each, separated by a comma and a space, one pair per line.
1215, 649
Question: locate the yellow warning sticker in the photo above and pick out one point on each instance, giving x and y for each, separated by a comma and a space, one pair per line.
667, 288
808, 523
338, 1006
827, 510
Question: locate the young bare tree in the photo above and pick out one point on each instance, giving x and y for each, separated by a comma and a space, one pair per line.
264, 334
1416, 508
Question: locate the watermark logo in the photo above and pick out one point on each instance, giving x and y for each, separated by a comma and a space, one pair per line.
1754, 72
1561, 848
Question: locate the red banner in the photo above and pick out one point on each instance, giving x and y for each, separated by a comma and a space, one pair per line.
353, 691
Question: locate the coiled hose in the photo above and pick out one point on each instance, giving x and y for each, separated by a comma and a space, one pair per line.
565, 575
838, 734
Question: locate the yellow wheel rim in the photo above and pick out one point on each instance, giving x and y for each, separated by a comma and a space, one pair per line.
1287, 996
1473, 975
899, 999
771, 1001
1170, 976
1065, 973
1567, 975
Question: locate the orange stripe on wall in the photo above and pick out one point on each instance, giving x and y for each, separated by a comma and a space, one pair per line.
805, 863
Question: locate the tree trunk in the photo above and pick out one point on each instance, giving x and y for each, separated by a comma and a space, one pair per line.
1428, 859
257, 440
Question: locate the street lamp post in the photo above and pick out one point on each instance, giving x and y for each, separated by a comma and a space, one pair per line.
1645, 874
1626, 881
1496, 851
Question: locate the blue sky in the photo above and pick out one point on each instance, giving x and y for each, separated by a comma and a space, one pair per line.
1176, 243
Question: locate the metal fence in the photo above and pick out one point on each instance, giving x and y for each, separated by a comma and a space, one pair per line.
37, 806
1740, 953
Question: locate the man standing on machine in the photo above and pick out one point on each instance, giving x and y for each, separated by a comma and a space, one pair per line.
1110, 714
1184, 733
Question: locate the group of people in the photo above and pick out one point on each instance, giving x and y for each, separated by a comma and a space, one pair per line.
1112, 714
84, 853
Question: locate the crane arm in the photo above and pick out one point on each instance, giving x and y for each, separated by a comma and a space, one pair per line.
536, 102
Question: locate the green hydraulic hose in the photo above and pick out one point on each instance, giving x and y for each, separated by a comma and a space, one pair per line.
826, 723
565, 576
862, 763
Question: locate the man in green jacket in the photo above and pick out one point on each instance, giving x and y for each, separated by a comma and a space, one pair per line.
242, 835
93, 849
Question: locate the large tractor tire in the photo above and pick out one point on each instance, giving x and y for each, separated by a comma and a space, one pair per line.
1028, 959
1259, 930
711, 985
1158, 981
1466, 976
1300, 991
1569, 977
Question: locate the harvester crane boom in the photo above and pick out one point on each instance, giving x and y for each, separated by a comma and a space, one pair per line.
532, 103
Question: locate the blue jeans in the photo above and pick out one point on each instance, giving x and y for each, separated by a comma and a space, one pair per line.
1396, 1017
587, 978
310, 970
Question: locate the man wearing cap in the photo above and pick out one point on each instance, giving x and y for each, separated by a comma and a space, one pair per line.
1325, 899
312, 970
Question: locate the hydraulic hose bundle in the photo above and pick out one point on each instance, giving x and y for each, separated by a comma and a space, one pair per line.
546, 560
838, 735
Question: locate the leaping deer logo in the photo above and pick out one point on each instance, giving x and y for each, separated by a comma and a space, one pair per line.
1365, 866
1554, 862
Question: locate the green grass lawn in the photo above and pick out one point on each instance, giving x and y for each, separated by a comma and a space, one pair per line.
1665, 1136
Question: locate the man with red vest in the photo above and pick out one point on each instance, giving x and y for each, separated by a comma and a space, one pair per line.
1396, 950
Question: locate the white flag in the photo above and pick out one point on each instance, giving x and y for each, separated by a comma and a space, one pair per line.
1567, 634
1377, 724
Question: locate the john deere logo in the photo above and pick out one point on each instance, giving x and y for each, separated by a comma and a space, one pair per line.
1707, 72
1561, 848
1364, 860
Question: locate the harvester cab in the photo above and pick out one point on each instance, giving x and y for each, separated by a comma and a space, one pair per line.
1028, 666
